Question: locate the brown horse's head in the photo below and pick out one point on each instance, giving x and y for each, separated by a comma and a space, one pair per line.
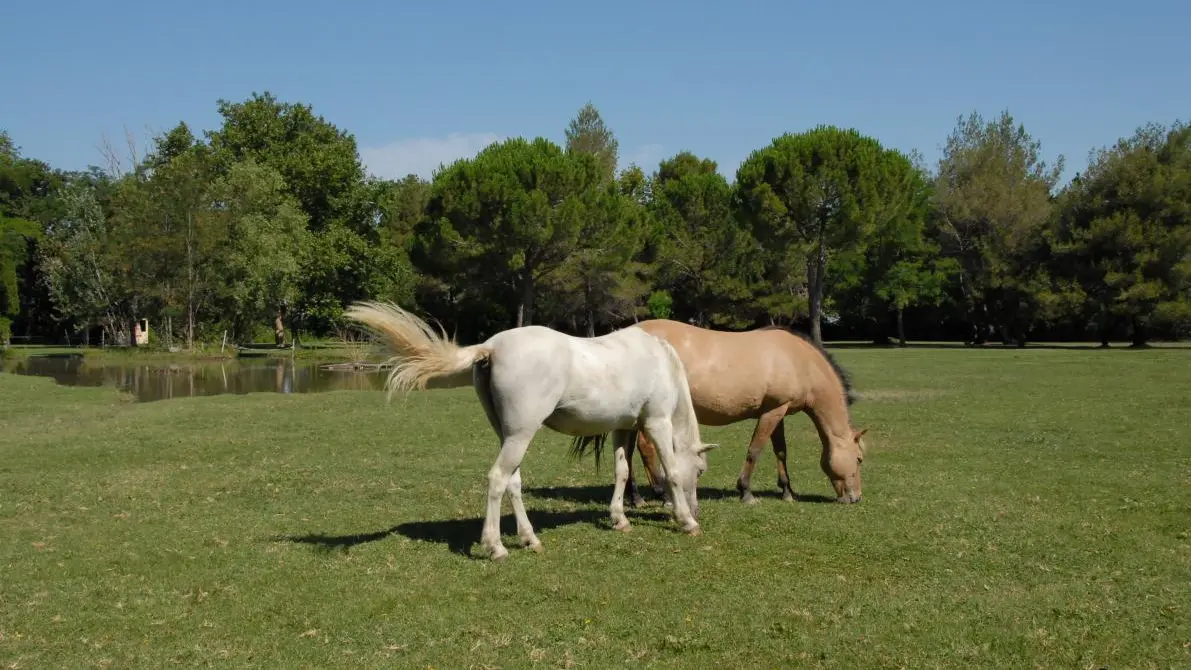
841, 464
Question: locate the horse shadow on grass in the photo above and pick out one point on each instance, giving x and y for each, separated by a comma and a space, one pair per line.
603, 494
461, 534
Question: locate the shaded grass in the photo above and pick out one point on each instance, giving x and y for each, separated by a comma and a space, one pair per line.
1021, 509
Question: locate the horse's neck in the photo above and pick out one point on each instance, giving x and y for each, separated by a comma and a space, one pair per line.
686, 426
684, 420
831, 419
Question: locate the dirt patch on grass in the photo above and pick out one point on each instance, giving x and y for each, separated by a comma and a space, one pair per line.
898, 395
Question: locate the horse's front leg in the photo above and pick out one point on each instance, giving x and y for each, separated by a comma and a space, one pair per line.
661, 433
761, 434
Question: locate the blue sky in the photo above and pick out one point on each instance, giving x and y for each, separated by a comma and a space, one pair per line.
420, 83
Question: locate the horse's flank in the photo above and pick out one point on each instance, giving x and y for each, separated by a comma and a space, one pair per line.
844, 377
735, 376
684, 419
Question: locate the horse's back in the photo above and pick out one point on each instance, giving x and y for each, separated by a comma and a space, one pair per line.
577, 386
738, 375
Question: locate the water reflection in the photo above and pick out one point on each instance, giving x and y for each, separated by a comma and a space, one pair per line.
162, 381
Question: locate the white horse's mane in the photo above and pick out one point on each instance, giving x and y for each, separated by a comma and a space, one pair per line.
684, 420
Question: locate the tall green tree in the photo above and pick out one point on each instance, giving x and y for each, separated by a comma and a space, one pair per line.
260, 263
1124, 232
702, 253
587, 133
321, 167
16, 237
319, 162
26, 186
400, 208
168, 238
899, 265
509, 217
818, 193
84, 269
602, 282
993, 195
171, 144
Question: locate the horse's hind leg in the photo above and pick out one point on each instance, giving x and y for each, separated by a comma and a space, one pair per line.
761, 434
512, 450
622, 440
635, 498
649, 459
524, 528
779, 451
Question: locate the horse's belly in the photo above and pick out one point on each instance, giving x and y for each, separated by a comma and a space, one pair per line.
590, 421
720, 406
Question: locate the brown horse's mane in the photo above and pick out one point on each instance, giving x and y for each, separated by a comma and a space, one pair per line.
844, 378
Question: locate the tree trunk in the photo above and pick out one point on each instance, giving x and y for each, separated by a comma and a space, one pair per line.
525, 306
1139, 333
590, 312
279, 327
189, 281
1104, 324
901, 327
815, 271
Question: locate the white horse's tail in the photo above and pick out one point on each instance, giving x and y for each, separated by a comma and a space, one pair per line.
420, 357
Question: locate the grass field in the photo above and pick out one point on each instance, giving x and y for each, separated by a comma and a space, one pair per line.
1021, 509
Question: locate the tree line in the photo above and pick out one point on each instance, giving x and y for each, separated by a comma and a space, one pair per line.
266, 227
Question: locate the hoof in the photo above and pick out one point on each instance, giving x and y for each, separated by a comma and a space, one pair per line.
623, 526
749, 499
637, 502
501, 555
694, 531
535, 547
788, 496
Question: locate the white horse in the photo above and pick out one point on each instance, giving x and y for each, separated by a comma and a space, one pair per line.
533, 376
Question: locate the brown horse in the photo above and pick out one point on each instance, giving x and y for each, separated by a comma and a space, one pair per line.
763, 374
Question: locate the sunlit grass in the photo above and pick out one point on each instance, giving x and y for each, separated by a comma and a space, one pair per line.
1021, 509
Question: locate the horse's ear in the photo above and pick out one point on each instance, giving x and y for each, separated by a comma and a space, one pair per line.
856, 435
705, 447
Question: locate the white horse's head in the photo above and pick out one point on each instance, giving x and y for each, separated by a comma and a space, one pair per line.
692, 463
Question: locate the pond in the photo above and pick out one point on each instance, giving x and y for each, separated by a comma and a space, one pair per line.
163, 380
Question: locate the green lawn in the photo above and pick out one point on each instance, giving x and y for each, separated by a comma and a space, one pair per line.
1021, 509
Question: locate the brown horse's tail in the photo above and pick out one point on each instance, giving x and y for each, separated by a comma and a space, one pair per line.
580, 444
421, 357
